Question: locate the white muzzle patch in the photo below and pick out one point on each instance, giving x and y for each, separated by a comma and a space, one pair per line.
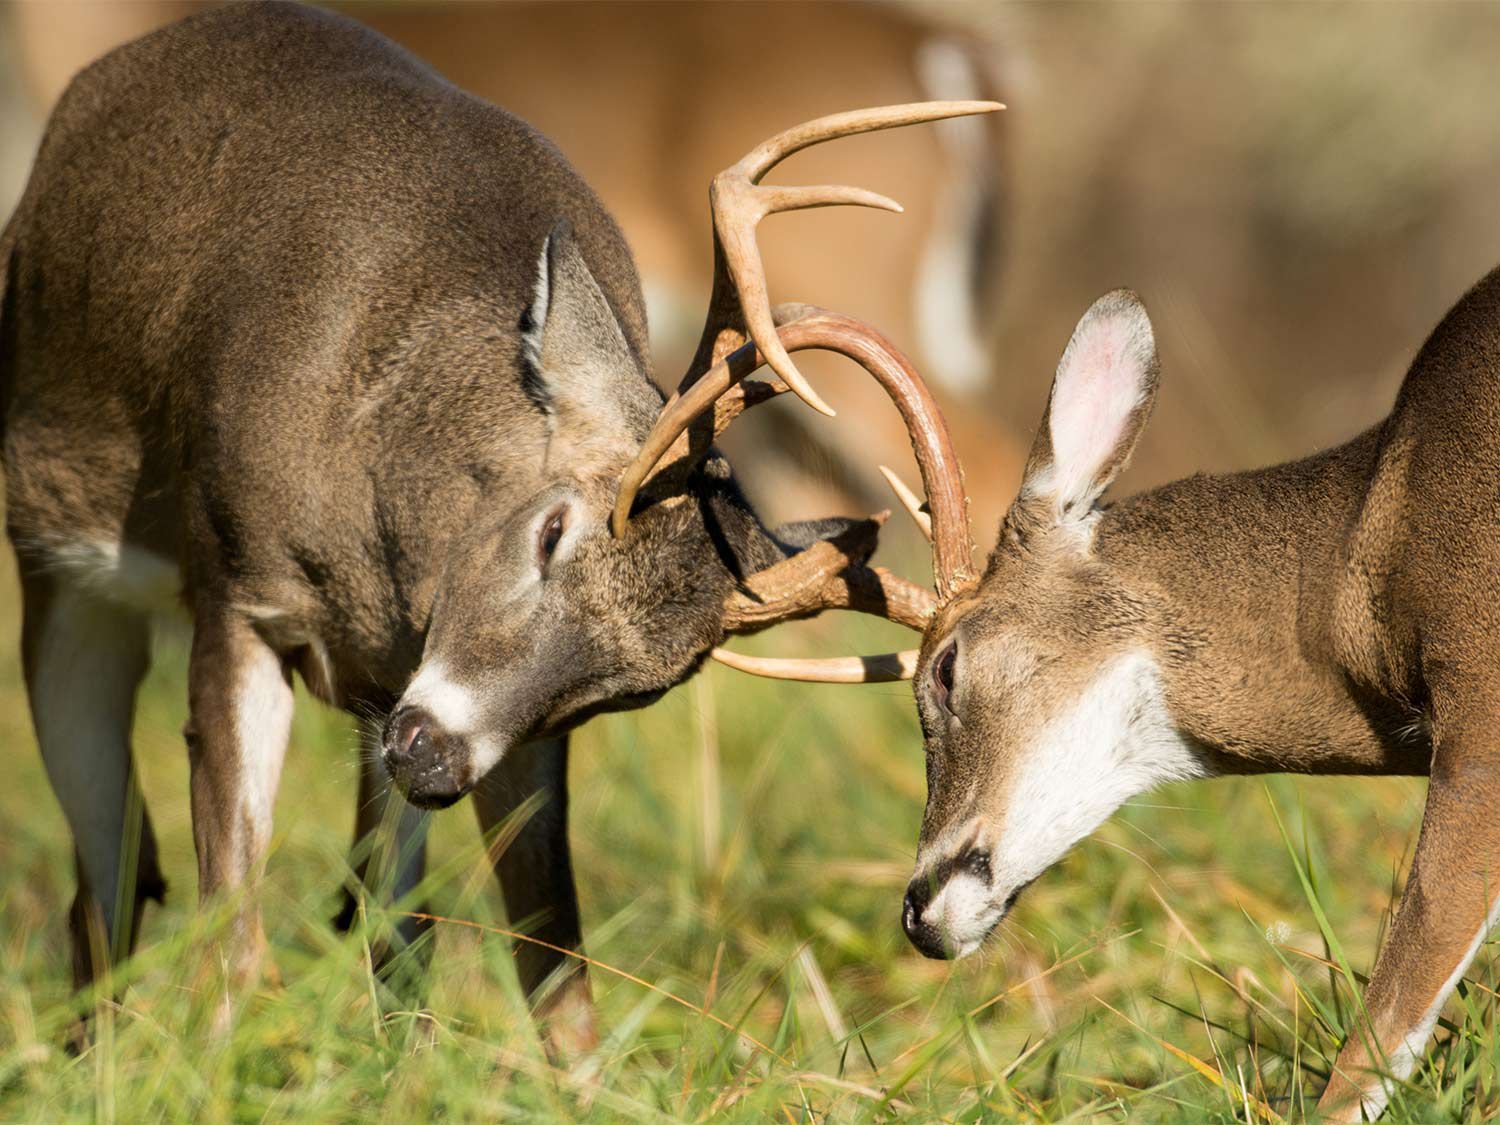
455, 709
1115, 742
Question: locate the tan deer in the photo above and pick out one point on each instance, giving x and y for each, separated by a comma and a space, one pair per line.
1332, 615
352, 364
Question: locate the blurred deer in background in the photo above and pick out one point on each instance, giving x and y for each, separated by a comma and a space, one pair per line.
1335, 615
354, 365
634, 93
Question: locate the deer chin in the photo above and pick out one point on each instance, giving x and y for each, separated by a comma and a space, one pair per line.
965, 912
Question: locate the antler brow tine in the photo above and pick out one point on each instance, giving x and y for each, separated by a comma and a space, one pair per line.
910, 501
886, 668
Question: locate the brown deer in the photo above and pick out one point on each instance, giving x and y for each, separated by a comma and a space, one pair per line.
1332, 615
930, 281
353, 365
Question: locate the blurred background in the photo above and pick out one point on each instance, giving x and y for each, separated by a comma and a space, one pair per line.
1297, 191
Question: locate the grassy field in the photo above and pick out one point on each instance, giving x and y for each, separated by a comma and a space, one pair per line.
741, 850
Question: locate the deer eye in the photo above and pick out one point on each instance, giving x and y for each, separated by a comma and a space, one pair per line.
942, 677
549, 536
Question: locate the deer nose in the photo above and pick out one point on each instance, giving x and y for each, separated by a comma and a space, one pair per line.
920, 933
410, 725
427, 764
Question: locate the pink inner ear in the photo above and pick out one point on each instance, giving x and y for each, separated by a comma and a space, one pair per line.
1099, 384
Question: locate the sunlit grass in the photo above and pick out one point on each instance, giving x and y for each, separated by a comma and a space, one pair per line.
741, 849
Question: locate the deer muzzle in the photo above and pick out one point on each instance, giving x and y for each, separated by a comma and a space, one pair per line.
952, 905
431, 766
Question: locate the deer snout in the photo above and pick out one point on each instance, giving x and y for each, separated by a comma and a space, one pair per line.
920, 932
952, 904
431, 766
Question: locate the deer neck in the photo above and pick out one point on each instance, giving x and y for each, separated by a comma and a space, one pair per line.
1253, 636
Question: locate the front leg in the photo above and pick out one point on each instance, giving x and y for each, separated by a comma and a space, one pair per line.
1448, 907
531, 859
240, 713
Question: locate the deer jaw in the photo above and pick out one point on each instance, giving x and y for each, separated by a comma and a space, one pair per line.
1013, 788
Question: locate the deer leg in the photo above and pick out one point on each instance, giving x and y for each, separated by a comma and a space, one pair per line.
239, 717
522, 806
1452, 898
390, 840
83, 659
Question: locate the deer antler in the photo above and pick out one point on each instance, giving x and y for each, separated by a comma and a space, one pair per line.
739, 301
825, 576
816, 328
831, 576
739, 202
828, 575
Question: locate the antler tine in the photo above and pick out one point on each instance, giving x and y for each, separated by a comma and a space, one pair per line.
937, 461
910, 501
739, 203
830, 574
772, 151
887, 668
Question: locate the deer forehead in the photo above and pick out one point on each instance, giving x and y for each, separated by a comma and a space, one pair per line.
1048, 611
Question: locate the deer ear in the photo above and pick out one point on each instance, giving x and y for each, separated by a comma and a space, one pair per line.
1101, 397
576, 364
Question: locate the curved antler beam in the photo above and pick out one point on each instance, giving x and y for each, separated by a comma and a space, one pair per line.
937, 462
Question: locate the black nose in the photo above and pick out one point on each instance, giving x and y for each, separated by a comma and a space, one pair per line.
429, 766
921, 934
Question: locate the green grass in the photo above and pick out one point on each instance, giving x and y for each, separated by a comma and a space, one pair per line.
741, 849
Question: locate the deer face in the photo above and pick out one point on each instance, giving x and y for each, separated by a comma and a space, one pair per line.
544, 615
1039, 693
545, 619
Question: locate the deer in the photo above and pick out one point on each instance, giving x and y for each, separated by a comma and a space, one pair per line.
1332, 615
929, 281
352, 367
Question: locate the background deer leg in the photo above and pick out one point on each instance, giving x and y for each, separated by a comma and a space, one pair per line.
390, 840
240, 713
84, 658
1448, 907
529, 851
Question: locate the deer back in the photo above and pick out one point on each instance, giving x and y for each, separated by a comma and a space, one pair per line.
270, 258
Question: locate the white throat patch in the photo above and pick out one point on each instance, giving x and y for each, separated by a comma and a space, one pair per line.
1117, 741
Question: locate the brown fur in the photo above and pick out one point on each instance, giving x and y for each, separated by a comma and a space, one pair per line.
1332, 615
265, 318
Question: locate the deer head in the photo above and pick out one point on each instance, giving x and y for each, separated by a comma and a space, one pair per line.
1038, 685
1039, 689
632, 554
